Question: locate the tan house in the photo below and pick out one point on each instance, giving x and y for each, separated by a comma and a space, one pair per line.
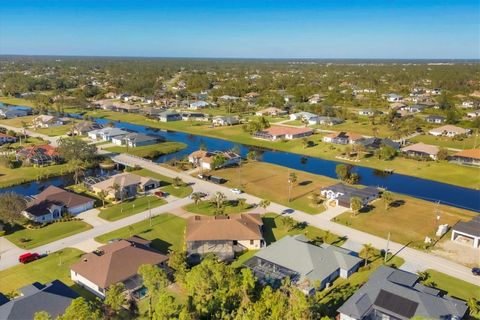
115, 262
128, 185
272, 111
206, 159
421, 150
45, 121
448, 130
223, 235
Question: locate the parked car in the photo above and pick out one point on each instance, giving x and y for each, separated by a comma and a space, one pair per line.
288, 211
217, 180
476, 271
236, 191
28, 257
161, 194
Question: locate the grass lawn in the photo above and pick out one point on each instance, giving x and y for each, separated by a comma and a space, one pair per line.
166, 232
150, 151
10, 177
298, 123
180, 192
438, 171
269, 181
47, 234
55, 131
43, 271
129, 207
446, 142
16, 101
30, 141
17, 122
455, 287
206, 207
410, 221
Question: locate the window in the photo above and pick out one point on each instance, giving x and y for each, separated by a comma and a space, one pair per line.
251, 242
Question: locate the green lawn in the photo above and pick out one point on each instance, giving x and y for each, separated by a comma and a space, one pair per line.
130, 207
43, 271
446, 142
17, 122
180, 192
16, 101
206, 207
30, 141
298, 123
47, 234
55, 131
166, 232
150, 151
10, 177
455, 287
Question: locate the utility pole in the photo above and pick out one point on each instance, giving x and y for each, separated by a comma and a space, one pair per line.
386, 250
149, 212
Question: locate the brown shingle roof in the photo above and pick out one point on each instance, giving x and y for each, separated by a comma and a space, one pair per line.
116, 262
422, 147
233, 227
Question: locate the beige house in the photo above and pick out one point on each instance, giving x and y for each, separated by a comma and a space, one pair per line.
128, 185
448, 130
223, 235
421, 150
45, 121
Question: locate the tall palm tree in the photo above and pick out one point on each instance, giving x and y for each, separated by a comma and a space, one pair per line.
366, 252
103, 195
292, 178
117, 191
219, 200
196, 197
264, 204
473, 306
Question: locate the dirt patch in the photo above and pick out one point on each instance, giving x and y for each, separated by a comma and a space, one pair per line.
461, 253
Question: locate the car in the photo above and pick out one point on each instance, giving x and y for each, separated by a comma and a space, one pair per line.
161, 194
476, 271
236, 191
287, 211
28, 257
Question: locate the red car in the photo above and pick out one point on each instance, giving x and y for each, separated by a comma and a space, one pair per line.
161, 194
28, 257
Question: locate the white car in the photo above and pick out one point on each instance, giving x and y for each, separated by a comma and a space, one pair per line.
236, 191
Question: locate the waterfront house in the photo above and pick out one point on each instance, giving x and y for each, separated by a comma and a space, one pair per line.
106, 134
168, 116
115, 262
449, 131
376, 143
396, 294
206, 160
223, 235
342, 138
5, 138
225, 120
311, 268
46, 121
49, 204
275, 133
195, 116
467, 232
341, 194
53, 298
128, 185
39, 155
82, 128
134, 139
469, 157
421, 150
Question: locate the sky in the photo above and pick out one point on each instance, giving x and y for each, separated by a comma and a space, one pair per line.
334, 29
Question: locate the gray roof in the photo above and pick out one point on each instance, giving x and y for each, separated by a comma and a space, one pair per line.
309, 261
137, 137
349, 192
52, 297
398, 293
471, 227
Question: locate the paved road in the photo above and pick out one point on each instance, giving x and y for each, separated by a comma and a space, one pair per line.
53, 140
322, 221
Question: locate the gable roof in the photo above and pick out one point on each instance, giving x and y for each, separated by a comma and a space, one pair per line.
398, 293
309, 261
232, 227
469, 153
471, 227
123, 180
52, 297
450, 128
422, 147
55, 195
116, 262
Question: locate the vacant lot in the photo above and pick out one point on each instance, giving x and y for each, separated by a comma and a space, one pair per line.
270, 182
446, 142
410, 220
206, 207
166, 232
150, 151
179, 192
130, 207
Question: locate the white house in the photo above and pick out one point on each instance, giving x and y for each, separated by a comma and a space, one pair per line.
198, 105
467, 232
106, 134
225, 120
302, 115
448, 130
474, 114
206, 160
134, 140
393, 97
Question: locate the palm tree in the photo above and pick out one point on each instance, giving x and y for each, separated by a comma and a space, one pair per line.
356, 205
387, 199
292, 178
366, 252
77, 166
103, 195
219, 200
264, 204
117, 191
242, 202
177, 182
305, 143
473, 306
326, 236
196, 197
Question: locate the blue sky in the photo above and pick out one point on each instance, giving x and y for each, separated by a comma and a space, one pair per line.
254, 29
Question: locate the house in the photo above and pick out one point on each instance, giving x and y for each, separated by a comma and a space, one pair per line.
10, 113
128, 185
113, 263
474, 114
316, 98
468, 104
393, 97
275, 133
5, 138
39, 155
126, 108
448, 130
228, 98
49, 204
341, 194
197, 105
414, 108
342, 138
195, 116
435, 119
309, 267
82, 128
272, 111
225, 120
467, 232
46, 121
206, 160
134, 139
251, 97
168, 116
53, 297
288, 98
396, 294
322, 120
367, 112
469, 157
152, 112
223, 235
302, 116
421, 150
434, 92
376, 143
106, 134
